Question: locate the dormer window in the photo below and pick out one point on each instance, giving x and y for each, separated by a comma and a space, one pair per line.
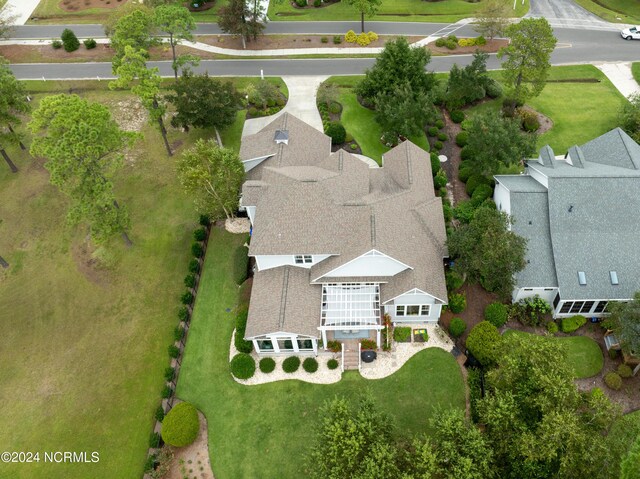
281, 136
582, 278
303, 259
613, 275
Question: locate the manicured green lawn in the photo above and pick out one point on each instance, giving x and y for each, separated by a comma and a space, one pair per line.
264, 431
623, 11
583, 353
391, 10
85, 343
635, 70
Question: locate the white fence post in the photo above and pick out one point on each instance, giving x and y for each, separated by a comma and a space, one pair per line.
342, 362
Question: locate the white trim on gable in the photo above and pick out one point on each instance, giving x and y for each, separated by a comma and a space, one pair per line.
361, 267
414, 291
251, 163
538, 175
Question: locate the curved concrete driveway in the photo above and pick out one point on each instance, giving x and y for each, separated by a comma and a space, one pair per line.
567, 13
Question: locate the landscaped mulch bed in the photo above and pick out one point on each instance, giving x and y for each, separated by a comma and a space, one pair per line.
492, 46
78, 5
452, 152
270, 42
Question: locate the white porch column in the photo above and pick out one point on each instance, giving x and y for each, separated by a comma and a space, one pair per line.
324, 339
255, 345
378, 337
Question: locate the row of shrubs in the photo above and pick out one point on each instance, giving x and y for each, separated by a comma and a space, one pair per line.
452, 42
243, 366
496, 313
363, 39
613, 379
71, 43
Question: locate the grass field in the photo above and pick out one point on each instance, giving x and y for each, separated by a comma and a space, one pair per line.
85, 341
623, 11
264, 431
583, 354
635, 70
391, 10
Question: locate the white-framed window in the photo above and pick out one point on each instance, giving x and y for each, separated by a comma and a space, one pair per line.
413, 309
303, 259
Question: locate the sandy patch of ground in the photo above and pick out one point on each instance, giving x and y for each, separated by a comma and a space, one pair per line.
77, 5
272, 42
192, 462
237, 225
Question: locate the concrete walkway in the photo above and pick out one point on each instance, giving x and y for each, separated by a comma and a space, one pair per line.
621, 77
20, 9
301, 103
567, 13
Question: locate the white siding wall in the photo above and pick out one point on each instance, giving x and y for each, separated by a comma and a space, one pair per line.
548, 294
369, 265
411, 298
502, 198
539, 177
250, 164
273, 261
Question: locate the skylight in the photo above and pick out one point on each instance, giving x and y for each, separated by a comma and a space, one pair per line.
582, 278
614, 277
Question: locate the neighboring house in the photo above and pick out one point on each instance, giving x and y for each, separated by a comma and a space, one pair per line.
337, 244
581, 216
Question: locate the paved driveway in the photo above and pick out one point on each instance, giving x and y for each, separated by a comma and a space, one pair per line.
567, 13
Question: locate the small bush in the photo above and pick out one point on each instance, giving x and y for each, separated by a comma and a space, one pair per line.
178, 332
196, 250
373, 36
324, 40
613, 353
336, 108
242, 366
318, 3
159, 414
200, 234
166, 392
466, 154
190, 280
334, 346
350, 37
90, 44
240, 264
301, 3
457, 303
473, 182
368, 344
481, 193
435, 163
464, 211
348, 138
432, 131
291, 364
552, 327
439, 124
154, 440
569, 325
56, 44
173, 351
465, 173
267, 365
69, 40
442, 137
241, 325
183, 314
169, 373
625, 371
440, 180
194, 266
529, 119
253, 111
181, 425
310, 365
337, 39
462, 139
402, 334
337, 132
613, 380
484, 342
481, 40
332, 364
438, 145
186, 298
493, 89
204, 220
457, 327
353, 146
454, 280
457, 116
497, 314
363, 40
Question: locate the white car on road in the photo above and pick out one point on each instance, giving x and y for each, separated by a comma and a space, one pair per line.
632, 33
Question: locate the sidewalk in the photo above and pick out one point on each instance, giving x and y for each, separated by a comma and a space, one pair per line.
620, 75
21, 9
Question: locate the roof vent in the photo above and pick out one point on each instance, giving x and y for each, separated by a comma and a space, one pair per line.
582, 278
281, 136
614, 277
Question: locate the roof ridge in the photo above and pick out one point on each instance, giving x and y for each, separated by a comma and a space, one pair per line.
373, 227
409, 163
624, 142
285, 117
424, 224
283, 297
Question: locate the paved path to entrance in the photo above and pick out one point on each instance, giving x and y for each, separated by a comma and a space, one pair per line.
621, 77
301, 103
567, 13
21, 9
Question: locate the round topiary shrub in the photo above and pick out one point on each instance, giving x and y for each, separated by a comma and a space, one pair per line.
90, 43
432, 131
186, 298
481, 193
335, 107
56, 44
440, 180
457, 327
181, 425
332, 364
457, 302
291, 364
310, 365
462, 139
496, 313
473, 182
493, 89
194, 266
190, 280
613, 380
69, 40
439, 124
337, 132
435, 163
466, 154
569, 325
267, 365
438, 145
484, 342
457, 116
442, 137
243, 366
625, 371
200, 234
552, 327
350, 37
196, 250
465, 173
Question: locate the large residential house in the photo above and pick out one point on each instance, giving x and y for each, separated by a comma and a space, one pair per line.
336, 243
581, 216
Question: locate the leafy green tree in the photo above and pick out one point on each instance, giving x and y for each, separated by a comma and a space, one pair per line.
485, 250
212, 176
243, 18
123, 11
6, 23
179, 24
496, 141
485, 343
403, 112
135, 30
397, 64
625, 321
13, 103
203, 102
461, 450
526, 67
537, 422
630, 467
133, 73
629, 117
365, 7
83, 146
492, 18
467, 84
